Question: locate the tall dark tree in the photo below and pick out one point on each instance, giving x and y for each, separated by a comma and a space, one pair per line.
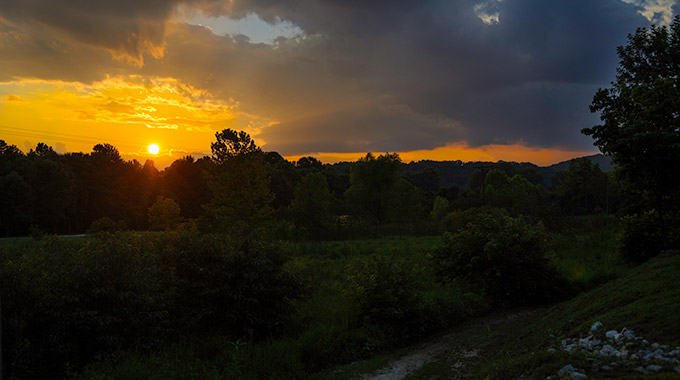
641, 115
184, 181
239, 182
371, 180
583, 188
312, 204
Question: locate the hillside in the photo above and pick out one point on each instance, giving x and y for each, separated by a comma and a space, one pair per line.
457, 173
531, 344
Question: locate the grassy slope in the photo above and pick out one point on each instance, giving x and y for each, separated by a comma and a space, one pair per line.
647, 299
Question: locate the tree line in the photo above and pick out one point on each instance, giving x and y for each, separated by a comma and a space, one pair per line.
240, 187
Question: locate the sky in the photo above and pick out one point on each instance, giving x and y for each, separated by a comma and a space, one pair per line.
444, 80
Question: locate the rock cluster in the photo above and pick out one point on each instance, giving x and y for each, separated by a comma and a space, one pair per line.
620, 351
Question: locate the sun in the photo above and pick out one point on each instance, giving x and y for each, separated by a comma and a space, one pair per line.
153, 149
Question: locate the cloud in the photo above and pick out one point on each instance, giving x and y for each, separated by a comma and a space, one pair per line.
129, 29
14, 99
362, 75
375, 127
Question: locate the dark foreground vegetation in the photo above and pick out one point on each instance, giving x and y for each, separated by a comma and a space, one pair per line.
245, 265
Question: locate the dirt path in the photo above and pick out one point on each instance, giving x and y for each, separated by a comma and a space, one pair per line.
450, 344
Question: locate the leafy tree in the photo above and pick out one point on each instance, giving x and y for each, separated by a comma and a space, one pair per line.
404, 202
239, 181
515, 194
371, 180
185, 182
440, 209
641, 115
640, 130
17, 198
312, 204
282, 178
164, 214
503, 256
582, 189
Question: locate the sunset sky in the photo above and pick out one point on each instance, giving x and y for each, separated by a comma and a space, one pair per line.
443, 80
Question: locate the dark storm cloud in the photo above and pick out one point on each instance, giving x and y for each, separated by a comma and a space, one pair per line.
369, 128
366, 75
128, 28
528, 78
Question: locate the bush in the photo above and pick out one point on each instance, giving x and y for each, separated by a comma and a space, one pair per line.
642, 237
64, 305
106, 224
164, 214
503, 256
383, 291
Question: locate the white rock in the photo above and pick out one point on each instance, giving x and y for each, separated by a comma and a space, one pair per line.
578, 376
641, 370
654, 368
596, 326
566, 369
611, 333
607, 349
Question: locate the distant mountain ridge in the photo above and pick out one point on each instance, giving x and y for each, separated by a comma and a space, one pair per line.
457, 173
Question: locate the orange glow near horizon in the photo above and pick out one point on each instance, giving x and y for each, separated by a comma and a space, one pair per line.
128, 112
465, 153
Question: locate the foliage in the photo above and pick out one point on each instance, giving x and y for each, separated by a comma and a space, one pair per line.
382, 289
439, 210
312, 204
371, 180
238, 181
105, 224
62, 304
642, 237
515, 194
583, 189
185, 182
641, 122
404, 202
585, 252
164, 214
503, 256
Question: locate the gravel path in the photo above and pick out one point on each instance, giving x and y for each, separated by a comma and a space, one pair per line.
450, 344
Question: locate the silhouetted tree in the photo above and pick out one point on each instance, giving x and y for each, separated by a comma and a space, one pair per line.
312, 204
239, 181
582, 189
184, 181
404, 202
641, 115
164, 214
371, 180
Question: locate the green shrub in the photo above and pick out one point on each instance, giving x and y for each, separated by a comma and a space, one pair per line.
63, 305
383, 291
503, 256
106, 224
642, 237
164, 214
